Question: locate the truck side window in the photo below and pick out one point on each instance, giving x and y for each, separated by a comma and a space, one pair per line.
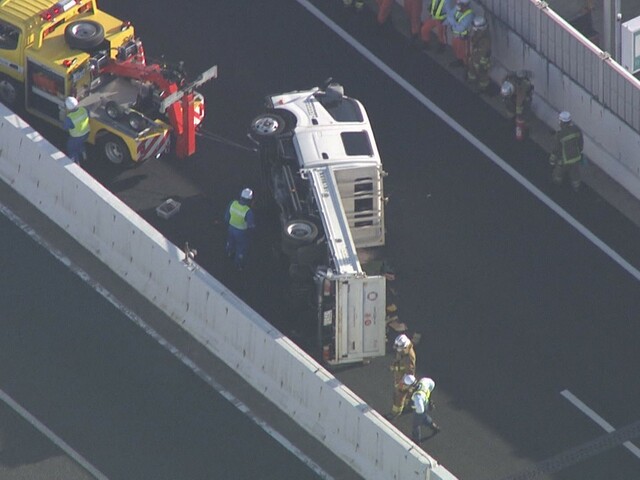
9, 36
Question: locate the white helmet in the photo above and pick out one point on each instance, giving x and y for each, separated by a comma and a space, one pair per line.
71, 103
247, 194
479, 23
426, 384
408, 379
507, 89
401, 342
564, 117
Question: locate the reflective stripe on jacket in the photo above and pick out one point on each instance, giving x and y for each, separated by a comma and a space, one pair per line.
570, 139
421, 400
237, 215
80, 120
437, 9
461, 22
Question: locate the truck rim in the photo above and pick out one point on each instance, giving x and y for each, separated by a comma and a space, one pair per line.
84, 30
114, 152
266, 125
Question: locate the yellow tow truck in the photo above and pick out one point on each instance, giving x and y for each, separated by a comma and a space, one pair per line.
50, 50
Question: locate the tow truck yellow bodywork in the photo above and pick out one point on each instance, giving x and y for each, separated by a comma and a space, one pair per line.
38, 62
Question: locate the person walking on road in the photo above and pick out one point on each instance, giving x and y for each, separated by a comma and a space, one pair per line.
77, 124
566, 153
480, 56
421, 399
240, 220
460, 20
403, 364
436, 14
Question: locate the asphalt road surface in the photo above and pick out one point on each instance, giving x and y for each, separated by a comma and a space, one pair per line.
86, 393
529, 322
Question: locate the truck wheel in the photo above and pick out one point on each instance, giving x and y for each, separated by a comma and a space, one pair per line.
8, 92
297, 233
84, 34
113, 110
136, 121
266, 126
114, 150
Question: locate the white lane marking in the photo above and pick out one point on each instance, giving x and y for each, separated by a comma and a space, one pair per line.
7, 212
38, 425
411, 90
606, 426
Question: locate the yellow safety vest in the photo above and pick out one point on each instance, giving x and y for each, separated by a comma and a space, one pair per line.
80, 120
459, 16
237, 214
436, 9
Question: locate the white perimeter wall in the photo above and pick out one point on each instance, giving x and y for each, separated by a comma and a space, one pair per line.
205, 308
610, 143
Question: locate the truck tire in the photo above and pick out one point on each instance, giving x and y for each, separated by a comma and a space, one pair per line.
267, 126
114, 150
9, 91
298, 233
84, 34
113, 110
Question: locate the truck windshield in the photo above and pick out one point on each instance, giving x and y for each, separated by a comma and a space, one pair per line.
9, 36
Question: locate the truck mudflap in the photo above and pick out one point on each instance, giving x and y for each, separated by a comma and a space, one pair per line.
153, 147
352, 319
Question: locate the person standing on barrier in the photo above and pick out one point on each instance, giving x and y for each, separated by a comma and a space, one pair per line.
436, 14
77, 124
403, 364
240, 221
480, 57
421, 399
566, 153
460, 19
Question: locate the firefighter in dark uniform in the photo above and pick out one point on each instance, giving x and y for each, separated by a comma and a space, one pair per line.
566, 154
480, 56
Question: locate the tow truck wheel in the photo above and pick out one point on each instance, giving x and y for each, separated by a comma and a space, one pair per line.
114, 150
8, 92
84, 34
298, 233
267, 125
135, 121
113, 110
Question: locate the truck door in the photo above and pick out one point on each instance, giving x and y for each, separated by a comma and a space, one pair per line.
11, 48
359, 319
45, 92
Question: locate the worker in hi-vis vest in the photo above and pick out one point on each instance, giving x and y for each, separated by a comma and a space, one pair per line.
240, 219
77, 124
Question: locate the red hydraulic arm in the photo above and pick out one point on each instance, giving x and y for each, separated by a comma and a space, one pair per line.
178, 100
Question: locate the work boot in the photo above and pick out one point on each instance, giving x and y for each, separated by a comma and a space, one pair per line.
435, 427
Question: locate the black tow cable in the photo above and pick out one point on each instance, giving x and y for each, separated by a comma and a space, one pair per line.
217, 138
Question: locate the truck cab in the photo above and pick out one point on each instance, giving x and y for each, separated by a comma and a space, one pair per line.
321, 166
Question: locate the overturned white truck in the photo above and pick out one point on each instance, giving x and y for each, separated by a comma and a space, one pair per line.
321, 166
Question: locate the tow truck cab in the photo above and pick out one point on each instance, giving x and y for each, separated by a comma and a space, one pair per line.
321, 166
50, 50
